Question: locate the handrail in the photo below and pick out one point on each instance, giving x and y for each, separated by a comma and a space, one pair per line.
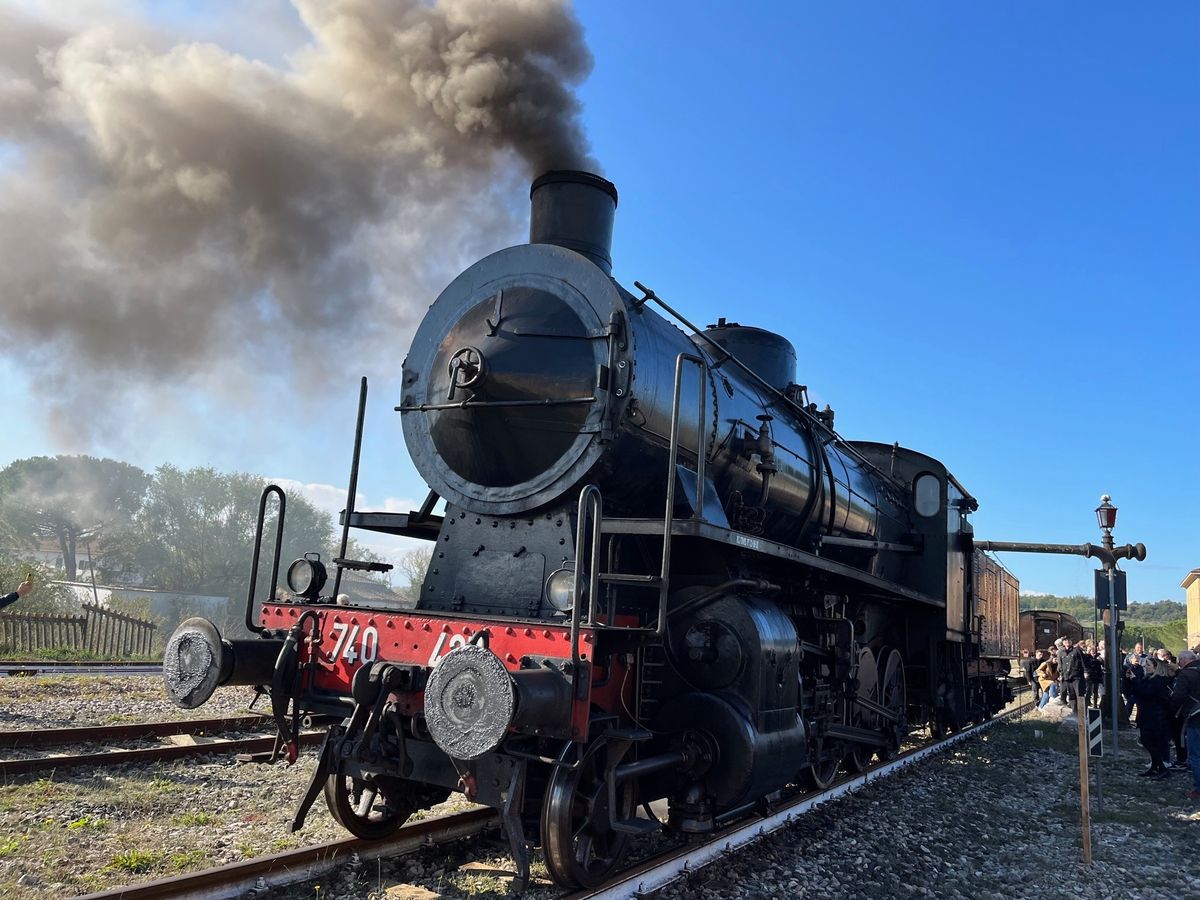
591, 506
754, 376
352, 490
672, 459
258, 535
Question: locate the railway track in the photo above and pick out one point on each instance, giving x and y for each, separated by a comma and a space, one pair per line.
9, 669
643, 879
111, 733
289, 867
96, 734
646, 878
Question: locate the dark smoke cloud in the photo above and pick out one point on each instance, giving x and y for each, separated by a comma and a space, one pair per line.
175, 217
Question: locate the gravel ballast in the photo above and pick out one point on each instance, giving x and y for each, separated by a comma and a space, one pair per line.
996, 816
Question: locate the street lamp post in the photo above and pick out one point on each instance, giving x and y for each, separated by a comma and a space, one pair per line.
1106, 516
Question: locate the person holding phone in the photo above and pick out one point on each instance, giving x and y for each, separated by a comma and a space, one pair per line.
22, 589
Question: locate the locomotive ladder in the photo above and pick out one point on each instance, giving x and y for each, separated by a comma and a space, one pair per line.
591, 515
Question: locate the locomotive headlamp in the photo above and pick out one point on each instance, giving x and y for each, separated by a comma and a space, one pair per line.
560, 589
306, 577
1106, 513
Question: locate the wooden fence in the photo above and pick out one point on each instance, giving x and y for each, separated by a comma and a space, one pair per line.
99, 631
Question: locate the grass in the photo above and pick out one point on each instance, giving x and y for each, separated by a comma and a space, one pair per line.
189, 859
194, 818
10, 844
91, 823
136, 862
121, 718
66, 654
164, 785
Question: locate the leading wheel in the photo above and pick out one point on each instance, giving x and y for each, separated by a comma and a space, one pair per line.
820, 775
363, 809
581, 848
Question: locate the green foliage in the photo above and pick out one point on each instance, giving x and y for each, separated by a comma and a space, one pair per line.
134, 605
190, 532
1160, 612
195, 535
410, 573
1159, 624
135, 862
355, 550
1083, 608
194, 818
188, 859
67, 498
91, 823
1172, 635
45, 598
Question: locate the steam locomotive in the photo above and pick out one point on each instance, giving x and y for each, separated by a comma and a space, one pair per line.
660, 574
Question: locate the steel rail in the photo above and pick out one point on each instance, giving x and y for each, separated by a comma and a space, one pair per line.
291, 866
90, 734
107, 758
655, 873
27, 669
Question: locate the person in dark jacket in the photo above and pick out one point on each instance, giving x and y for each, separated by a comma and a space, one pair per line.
1093, 677
1131, 676
1070, 673
22, 589
1154, 716
1029, 666
1185, 703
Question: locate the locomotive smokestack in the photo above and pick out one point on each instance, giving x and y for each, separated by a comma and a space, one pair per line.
574, 210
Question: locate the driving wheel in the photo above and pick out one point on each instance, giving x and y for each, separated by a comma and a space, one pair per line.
868, 688
893, 696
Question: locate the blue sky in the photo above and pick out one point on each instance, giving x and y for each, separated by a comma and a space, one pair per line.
977, 223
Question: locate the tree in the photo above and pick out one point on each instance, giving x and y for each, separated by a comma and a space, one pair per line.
410, 573
195, 535
356, 551
69, 498
46, 596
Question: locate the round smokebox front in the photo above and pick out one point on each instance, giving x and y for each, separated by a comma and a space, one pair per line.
501, 401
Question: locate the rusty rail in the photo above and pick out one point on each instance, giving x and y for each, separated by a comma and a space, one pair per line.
91, 734
108, 758
308, 862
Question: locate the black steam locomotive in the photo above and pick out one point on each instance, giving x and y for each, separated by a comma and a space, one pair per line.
660, 573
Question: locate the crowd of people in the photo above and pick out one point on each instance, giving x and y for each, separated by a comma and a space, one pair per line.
1160, 695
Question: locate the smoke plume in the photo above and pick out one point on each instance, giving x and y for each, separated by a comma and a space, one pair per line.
176, 218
